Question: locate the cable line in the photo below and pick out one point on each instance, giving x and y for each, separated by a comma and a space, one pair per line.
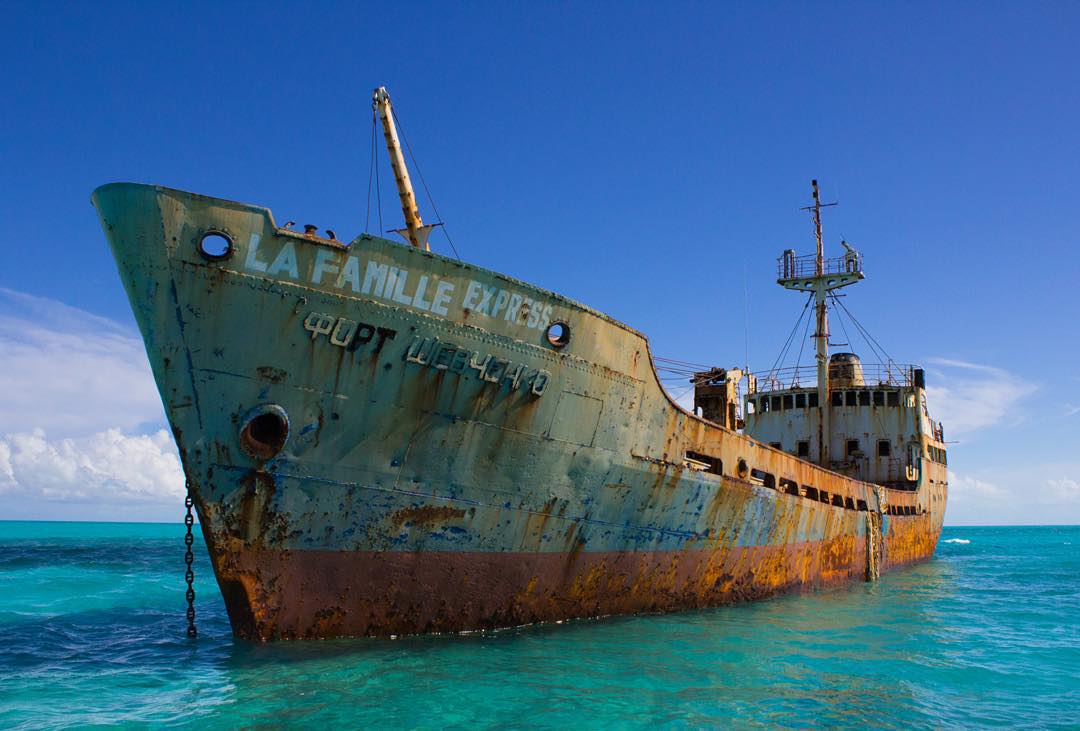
420, 174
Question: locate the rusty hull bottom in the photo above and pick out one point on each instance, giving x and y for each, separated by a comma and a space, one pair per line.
320, 594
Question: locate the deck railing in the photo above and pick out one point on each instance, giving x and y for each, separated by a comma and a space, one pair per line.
789, 266
873, 374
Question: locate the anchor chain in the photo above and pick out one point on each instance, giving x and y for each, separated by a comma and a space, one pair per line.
189, 559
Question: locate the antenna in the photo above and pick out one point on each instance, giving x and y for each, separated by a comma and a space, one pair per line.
816, 208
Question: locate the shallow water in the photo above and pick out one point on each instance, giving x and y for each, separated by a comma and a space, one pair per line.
987, 633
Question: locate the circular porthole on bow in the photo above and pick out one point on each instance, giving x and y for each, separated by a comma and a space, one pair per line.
264, 431
558, 334
216, 245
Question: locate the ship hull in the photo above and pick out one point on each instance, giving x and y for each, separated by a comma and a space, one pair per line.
445, 466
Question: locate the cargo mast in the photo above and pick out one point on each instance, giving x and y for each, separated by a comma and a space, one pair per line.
820, 277
821, 333
415, 231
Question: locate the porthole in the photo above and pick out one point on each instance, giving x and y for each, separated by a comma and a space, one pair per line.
558, 334
743, 469
215, 245
264, 431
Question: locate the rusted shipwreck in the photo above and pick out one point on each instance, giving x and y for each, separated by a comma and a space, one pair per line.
382, 440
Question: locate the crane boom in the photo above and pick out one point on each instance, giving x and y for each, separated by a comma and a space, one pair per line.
415, 230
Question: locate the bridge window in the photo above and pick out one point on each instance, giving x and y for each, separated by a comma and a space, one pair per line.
892, 398
776, 403
864, 398
800, 401
884, 448
853, 448
812, 402
838, 398
850, 398
764, 404
879, 398
802, 448
789, 402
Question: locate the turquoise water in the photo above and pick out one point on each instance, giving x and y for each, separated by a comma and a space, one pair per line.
92, 630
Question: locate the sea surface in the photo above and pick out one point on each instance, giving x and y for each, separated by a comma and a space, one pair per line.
986, 634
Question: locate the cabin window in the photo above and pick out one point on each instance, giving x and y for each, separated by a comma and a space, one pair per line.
850, 398
852, 447
813, 400
861, 505
776, 403
776, 445
800, 401
810, 492
802, 448
789, 486
864, 398
823, 496
944, 457
879, 398
892, 398
838, 501
789, 402
849, 503
884, 448
764, 478
838, 398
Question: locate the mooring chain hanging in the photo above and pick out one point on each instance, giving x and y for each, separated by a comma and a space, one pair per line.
189, 559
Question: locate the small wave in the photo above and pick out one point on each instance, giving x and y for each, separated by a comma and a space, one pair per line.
964, 541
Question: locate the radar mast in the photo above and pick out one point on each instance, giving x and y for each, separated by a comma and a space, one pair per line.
820, 276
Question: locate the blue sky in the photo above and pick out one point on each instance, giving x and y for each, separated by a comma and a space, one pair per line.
648, 160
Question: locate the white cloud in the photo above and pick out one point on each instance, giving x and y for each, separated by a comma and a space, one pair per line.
967, 397
69, 372
964, 488
1064, 490
108, 467
1037, 496
76, 393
